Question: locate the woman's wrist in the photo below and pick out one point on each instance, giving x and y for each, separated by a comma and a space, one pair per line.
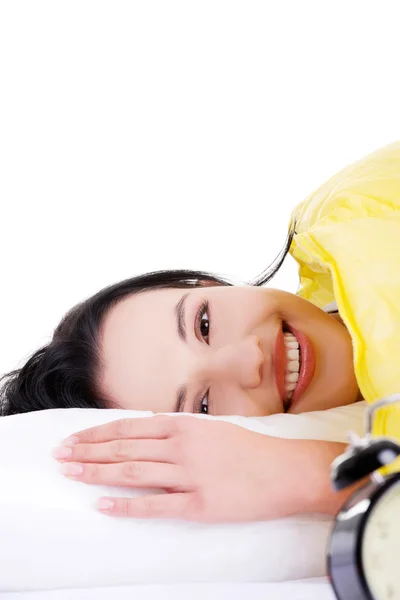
296, 477
302, 478
314, 489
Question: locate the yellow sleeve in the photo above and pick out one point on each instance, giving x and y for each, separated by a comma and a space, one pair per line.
347, 244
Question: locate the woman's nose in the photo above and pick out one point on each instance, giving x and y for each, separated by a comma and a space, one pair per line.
239, 363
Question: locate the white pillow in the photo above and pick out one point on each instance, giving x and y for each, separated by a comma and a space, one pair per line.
52, 537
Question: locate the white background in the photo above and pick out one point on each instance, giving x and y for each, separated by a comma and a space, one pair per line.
145, 135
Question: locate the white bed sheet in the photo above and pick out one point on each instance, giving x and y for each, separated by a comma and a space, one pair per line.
311, 589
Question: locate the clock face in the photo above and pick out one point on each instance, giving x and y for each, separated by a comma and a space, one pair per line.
380, 549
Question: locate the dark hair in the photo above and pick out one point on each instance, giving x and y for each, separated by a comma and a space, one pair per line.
63, 374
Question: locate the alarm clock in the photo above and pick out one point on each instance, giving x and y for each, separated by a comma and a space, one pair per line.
364, 547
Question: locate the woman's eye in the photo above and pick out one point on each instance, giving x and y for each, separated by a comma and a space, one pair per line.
202, 322
204, 405
204, 325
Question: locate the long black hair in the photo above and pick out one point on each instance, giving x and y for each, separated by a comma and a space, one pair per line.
63, 374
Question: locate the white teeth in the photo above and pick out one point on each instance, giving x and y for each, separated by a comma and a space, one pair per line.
292, 364
289, 337
291, 377
291, 344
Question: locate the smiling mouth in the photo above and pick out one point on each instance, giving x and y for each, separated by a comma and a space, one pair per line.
301, 368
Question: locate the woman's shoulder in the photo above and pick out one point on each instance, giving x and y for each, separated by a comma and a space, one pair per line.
368, 188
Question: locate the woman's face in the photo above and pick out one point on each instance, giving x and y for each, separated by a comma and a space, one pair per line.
225, 351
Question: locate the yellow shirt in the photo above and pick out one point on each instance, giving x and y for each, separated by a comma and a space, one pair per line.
347, 244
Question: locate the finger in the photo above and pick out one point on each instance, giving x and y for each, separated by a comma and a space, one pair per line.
163, 506
158, 427
116, 451
128, 474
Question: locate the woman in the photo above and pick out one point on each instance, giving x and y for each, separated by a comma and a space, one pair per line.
190, 342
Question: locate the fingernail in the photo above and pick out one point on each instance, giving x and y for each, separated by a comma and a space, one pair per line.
70, 441
105, 504
71, 469
61, 452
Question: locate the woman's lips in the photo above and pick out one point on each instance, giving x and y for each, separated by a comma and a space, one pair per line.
280, 363
307, 364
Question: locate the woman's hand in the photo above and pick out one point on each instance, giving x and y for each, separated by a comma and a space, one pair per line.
211, 470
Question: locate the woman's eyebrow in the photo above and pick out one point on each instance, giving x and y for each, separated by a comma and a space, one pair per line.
181, 318
181, 399
180, 313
